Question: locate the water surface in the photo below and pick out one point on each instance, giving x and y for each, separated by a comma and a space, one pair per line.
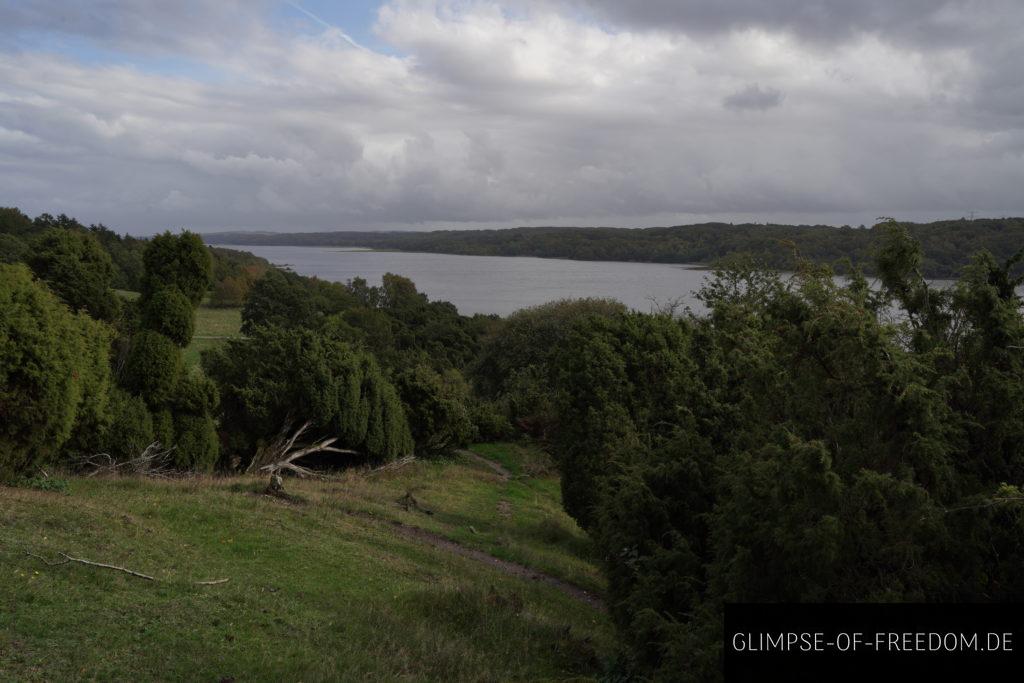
497, 284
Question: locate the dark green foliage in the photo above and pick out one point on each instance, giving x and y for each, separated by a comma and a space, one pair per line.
77, 268
170, 313
196, 442
131, 427
125, 252
196, 446
796, 444
278, 377
238, 264
394, 321
163, 427
515, 362
436, 407
12, 249
54, 372
279, 298
180, 261
126, 255
13, 222
621, 383
195, 394
490, 419
152, 367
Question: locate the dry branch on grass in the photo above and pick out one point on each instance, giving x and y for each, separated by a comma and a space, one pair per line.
392, 466
154, 461
132, 572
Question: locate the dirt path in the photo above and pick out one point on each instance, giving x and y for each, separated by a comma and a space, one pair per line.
505, 566
486, 462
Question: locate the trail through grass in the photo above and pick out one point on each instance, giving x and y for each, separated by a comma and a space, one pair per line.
314, 593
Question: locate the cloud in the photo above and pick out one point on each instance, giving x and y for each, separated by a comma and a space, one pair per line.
221, 115
753, 97
917, 22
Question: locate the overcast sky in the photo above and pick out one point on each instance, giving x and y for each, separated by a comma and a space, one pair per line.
251, 114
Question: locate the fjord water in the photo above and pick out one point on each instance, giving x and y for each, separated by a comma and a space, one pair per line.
497, 284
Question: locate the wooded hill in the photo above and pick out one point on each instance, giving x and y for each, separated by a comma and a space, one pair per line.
947, 245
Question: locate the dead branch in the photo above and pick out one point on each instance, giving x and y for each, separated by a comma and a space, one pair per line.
154, 461
393, 465
147, 577
68, 558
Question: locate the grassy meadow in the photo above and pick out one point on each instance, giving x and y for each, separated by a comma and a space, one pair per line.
322, 587
213, 327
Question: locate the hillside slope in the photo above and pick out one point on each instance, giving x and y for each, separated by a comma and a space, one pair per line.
344, 583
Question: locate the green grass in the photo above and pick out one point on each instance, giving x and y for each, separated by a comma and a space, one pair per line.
127, 294
314, 593
517, 458
213, 327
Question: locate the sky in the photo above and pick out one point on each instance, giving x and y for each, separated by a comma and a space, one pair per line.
317, 115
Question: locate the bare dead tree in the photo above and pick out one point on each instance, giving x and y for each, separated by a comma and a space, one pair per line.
280, 455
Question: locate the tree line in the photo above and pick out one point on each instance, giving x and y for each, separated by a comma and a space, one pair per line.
946, 245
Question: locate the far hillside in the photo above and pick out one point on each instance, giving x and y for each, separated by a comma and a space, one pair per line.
947, 245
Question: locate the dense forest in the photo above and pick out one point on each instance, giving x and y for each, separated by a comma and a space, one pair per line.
805, 440
946, 245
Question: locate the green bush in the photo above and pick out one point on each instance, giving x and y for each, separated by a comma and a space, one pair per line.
12, 249
77, 268
51, 362
180, 261
152, 367
436, 407
195, 442
515, 362
170, 313
163, 427
490, 418
278, 377
131, 428
195, 394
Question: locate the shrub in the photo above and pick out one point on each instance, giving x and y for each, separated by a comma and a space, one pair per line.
12, 249
152, 367
163, 427
436, 407
280, 376
195, 442
77, 268
180, 261
490, 418
195, 394
50, 360
131, 428
170, 313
